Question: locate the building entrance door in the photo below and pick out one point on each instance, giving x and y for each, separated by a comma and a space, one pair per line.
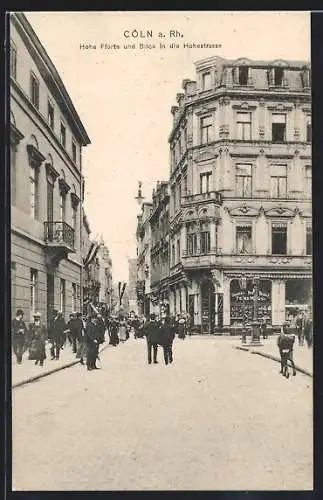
207, 307
50, 296
219, 310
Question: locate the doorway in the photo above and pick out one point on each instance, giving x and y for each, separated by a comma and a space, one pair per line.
207, 307
50, 296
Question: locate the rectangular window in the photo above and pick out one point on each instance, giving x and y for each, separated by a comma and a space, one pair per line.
74, 297
50, 114
205, 182
244, 126
34, 192
244, 180
309, 130
13, 165
74, 151
206, 81
308, 240
205, 242
33, 289
74, 218
178, 251
308, 181
278, 76
206, 129
279, 239
244, 239
243, 75
191, 244
184, 187
62, 296
278, 181
63, 134
173, 253
13, 60
278, 128
34, 90
50, 202
62, 206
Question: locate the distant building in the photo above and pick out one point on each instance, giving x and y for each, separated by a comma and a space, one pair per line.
130, 292
47, 137
159, 247
143, 272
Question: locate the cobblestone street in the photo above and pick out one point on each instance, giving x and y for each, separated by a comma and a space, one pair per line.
230, 421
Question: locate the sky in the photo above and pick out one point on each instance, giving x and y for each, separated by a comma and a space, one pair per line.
124, 96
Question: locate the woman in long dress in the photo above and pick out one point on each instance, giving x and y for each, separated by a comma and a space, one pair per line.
37, 335
123, 327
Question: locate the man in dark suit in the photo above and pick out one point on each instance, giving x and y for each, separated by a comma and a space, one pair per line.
151, 331
167, 334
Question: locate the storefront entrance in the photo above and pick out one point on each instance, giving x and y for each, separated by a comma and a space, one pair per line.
207, 307
298, 296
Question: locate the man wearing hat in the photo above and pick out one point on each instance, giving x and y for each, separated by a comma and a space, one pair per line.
151, 331
57, 334
37, 336
285, 343
19, 335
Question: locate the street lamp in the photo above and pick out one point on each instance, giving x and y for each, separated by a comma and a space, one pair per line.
255, 335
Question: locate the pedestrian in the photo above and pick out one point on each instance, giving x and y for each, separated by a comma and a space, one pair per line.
101, 327
308, 329
167, 334
71, 332
151, 331
19, 335
299, 323
285, 343
113, 331
122, 329
79, 330
57, 335
37, 340
181, 327
92, 338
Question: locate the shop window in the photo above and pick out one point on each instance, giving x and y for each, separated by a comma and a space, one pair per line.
244, 239
244, 126
278, 181
205, 182
243, 75
206, 129
309, 240
279, 240
278, 128
244, 180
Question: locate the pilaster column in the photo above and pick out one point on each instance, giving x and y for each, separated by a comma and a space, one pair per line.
295, 174
278, 302
261, 236
261, 120
171, 302
297, 121
296, 246
183, 292
226, 302
261, 174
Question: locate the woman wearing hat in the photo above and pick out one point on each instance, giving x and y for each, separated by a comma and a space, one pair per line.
19, 335
37, 335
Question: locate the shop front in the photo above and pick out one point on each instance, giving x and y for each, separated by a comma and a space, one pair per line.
242, 301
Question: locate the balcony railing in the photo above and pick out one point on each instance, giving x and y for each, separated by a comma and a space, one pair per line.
195, 198
59, 234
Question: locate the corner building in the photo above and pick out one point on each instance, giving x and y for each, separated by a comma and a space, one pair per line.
240, 191
47, 137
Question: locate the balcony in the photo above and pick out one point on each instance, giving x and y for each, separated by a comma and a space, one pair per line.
60, 241
202, 197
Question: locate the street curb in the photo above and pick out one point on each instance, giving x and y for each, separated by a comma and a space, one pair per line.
274, 358
54, 370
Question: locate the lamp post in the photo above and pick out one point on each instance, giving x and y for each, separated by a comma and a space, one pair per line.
255, 336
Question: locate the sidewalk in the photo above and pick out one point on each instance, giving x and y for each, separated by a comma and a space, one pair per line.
303, 356
28, 371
